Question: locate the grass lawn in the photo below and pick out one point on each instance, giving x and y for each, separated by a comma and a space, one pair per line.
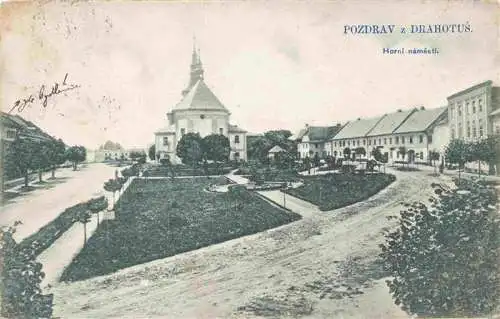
161, 218
333, 191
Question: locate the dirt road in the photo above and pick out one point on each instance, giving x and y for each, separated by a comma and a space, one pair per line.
322, 266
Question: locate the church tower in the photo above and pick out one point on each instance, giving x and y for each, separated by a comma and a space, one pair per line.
196, 70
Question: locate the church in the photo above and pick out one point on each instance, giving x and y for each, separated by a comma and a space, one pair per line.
199, 111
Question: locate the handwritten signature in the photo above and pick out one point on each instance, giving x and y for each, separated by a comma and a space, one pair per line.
44, 95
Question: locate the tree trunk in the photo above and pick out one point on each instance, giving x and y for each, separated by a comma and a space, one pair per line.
54, 171
26, 178
97, 219
479, 168
74, 166
84, 233
40, 175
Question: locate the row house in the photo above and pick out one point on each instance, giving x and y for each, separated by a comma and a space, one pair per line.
415, 129
315, 140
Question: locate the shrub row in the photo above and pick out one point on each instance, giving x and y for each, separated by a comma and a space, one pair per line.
49, 233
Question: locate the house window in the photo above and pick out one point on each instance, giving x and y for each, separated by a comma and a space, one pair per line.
468, 129
402, 139
452, 111
474, 132
364, 142
390, 140
480, 105
335, 143
334, 153
369, 142
460, 110
165, 141
385, 141
316, 145
236, 139
421, 138
236, 155
348, 143
379, 141
453, 133
397, 139
11, 134
467, 108
358, 143
422, 155
374, 141
221, 131
480, 128
473, 107
460, 130
429, 139
497, 129
411, 139
183, 131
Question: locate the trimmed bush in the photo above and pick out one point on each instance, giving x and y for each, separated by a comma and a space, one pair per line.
444, 256
332, 191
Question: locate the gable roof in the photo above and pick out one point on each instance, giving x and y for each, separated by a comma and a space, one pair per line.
200, 97
357, 128
420, 120
276, 149
318, 133
25, 127
390, 122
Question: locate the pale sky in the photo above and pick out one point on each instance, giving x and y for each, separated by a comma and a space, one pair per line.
275, 65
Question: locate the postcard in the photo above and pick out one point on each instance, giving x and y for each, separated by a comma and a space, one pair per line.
237, 159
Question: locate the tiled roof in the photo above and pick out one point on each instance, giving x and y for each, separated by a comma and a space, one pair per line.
200, 97
357, 128
318, 133
24, 127
276, 149
236, 129
390, 122
165, 130
421, 120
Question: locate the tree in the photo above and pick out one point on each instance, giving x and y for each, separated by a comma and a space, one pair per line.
190, 149
97, 205
347, 152
84, 217
433, 157
41, 160
21, 276
259, 147
112, 186
152, 152
316, 160
76, 154
216, 148
109, 145
21, 155
457, 152
444, 257
485, 150
360, 151
56, 154
307, 164
377, 155
139, 157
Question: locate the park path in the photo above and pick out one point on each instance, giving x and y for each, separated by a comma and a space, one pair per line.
39, 207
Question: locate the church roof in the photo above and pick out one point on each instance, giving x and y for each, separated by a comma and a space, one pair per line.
236, 129
200, 97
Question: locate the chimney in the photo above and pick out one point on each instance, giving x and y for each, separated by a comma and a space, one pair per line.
307, 125
422, 108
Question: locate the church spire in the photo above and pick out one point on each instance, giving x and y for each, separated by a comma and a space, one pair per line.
196, 72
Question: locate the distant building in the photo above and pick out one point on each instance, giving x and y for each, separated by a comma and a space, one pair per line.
199, 111
417, 129
474, 113
104, 155
313, 140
